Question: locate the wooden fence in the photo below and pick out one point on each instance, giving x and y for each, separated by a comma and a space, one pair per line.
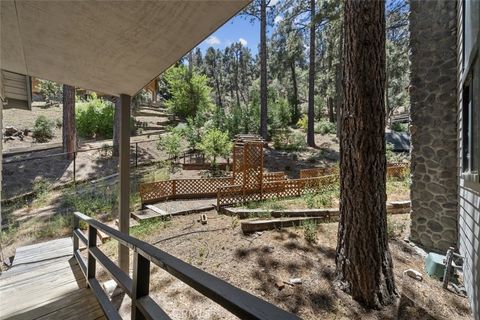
397, 170
236, 194
181, 189
191, 188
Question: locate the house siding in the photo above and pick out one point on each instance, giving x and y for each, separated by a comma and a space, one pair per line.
469, 195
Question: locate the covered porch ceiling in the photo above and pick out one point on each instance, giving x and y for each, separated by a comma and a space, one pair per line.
115, 47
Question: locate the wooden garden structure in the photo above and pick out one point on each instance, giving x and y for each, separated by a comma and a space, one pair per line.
249, 182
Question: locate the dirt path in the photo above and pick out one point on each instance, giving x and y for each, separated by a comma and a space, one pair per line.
19, 177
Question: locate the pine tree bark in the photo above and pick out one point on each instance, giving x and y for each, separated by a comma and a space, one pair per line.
311, 80
363, 261
69, 130
116, 127
296, 111
263, 71
339, 84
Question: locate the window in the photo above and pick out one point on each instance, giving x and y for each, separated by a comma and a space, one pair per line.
471, 124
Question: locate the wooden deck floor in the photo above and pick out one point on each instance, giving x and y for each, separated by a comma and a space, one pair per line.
45, 282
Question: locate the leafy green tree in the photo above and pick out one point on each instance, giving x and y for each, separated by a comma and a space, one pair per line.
95, 118
190, 92
171, 143
215, 144
287, 47
264, 12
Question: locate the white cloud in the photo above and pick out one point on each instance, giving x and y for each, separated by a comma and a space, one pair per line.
278, 19
273, 2
212, 40
243, 42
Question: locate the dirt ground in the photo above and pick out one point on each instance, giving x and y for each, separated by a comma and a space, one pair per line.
24, 119
19, 177
256, 262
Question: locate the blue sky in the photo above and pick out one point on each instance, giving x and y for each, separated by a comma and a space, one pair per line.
241, 28
236, 29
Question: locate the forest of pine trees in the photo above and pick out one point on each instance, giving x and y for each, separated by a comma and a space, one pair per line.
302, 88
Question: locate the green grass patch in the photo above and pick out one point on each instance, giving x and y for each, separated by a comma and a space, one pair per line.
148, 227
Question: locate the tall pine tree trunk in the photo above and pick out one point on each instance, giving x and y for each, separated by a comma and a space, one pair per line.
263, 70
331, 116
296, 112
339, 84
116, 127
69, 131
311, 80
363, 261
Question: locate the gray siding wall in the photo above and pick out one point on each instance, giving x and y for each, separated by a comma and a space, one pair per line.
469, 193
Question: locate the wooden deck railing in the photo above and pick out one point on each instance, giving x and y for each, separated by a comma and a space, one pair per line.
233, 299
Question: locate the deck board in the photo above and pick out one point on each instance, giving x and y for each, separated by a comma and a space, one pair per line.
45, 282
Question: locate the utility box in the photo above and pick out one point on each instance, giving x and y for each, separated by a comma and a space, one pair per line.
435, 265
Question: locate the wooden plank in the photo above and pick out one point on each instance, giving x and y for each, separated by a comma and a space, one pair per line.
47, 283
144, 215
102, 236
261, 225
193, 210
157, 210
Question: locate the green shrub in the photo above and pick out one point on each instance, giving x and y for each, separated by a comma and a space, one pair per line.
325, 127
303, 123
43, 129
214, 144
318, 199
52, 91
310, 231
399, 127
394, 229
290, 141
41, 189
91, 201
95, 118
280, 114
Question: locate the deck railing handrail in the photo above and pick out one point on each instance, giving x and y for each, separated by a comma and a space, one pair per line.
242, 304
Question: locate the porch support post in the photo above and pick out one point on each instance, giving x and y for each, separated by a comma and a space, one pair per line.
124, 174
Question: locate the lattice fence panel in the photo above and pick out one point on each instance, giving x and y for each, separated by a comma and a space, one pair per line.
398, 170
274, 176
230, 195
237, 165
276, 189
252, 165
156, 191
318, 172
200, 187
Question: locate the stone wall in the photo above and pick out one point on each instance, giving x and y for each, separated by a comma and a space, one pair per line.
433, 124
